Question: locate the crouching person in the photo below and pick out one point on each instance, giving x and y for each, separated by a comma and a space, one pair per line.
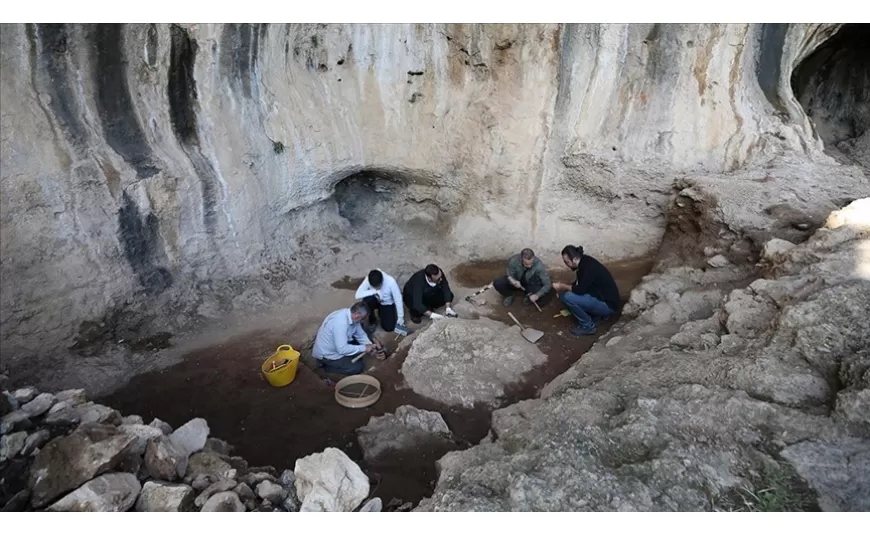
381, 294
525, 274
341, 338
426, 291
593, 296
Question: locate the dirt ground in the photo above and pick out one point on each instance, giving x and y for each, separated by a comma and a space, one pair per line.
275, 426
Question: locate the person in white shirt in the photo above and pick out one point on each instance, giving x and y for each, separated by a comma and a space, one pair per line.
383, 297
341, 338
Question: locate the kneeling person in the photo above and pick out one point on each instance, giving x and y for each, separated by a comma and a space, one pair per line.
426, 291
381, 294
593, 296
341, 338
525, 273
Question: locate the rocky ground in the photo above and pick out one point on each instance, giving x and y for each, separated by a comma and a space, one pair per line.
60, 452
725, 387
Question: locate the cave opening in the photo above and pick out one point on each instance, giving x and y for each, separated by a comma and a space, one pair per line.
391, 205
833, 86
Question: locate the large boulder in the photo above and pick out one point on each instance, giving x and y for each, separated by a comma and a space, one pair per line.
66, 463
163, 460
165, 497
465, 362
11, 445
144, 434
329, 481
191, 436
113, 492
405, 430
39, 405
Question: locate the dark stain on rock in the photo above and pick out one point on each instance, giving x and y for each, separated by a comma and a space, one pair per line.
767, 70
52, 42
240, 44
182, 94
151, 46
182, 86
140, 239
114, 105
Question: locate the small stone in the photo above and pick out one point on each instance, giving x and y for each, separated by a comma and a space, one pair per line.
91, 412
191, 436
8, 403
227, 501
218, 487
18, 419
39, 405
202, 481
245, 492
62, 414
373, 505
271, 492
73, 397
35, 441
254, 479
218, 446
613, 341
25, 395
718, 261
11, 445
288, 478
236, 462
113, 492
162, 426
132, 420
776, 248
163, 460
143, 434
165, 497
291, 503
209, 463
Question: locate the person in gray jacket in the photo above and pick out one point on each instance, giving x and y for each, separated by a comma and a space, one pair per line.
525, 273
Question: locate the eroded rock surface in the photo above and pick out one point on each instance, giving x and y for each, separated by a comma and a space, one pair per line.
402, 431
463, 362
681, 415
329, 481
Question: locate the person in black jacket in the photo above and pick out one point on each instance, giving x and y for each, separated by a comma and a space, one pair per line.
426, 291
593, 296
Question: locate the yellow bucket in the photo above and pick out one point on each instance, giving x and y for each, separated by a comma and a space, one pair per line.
280, 368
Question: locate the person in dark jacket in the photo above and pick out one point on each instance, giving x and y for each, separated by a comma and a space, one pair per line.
593, 296
426, 291
525, 273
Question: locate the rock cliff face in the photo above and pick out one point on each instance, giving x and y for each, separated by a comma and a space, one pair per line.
155, 175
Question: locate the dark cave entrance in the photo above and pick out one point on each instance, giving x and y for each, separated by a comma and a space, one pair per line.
833, 86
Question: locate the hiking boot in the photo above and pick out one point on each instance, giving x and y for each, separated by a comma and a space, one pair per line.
580, 331
526, 301
509, 300
416, 320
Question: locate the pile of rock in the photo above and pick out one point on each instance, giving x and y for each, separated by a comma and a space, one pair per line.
60, 452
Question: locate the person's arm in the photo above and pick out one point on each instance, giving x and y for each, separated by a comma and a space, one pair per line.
365, 290
448, 295
545, 279
398, 301
584, 282
512, 269
339, 339
359, 334
417, 298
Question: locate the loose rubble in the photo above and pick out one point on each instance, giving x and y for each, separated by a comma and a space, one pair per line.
61, 452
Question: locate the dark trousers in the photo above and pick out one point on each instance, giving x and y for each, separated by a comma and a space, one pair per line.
386, 313
431, 302
343, 366
505, 289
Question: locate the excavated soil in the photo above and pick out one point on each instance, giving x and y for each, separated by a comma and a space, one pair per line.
269, 426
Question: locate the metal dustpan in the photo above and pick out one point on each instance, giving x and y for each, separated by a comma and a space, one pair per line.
531, 335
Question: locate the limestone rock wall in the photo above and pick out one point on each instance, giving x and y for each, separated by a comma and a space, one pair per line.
153, 171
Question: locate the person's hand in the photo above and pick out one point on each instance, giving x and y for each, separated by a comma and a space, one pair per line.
450, 313
559, 286
533, 298
435, 316
371, 347
516, 284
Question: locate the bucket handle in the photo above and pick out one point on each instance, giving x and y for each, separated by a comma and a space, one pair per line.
284, 348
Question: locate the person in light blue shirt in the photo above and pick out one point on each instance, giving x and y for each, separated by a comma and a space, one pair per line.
341, 338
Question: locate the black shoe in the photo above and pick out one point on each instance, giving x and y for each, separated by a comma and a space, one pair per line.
416, 320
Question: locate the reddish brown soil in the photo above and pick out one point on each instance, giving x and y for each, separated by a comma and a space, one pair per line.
270, 426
